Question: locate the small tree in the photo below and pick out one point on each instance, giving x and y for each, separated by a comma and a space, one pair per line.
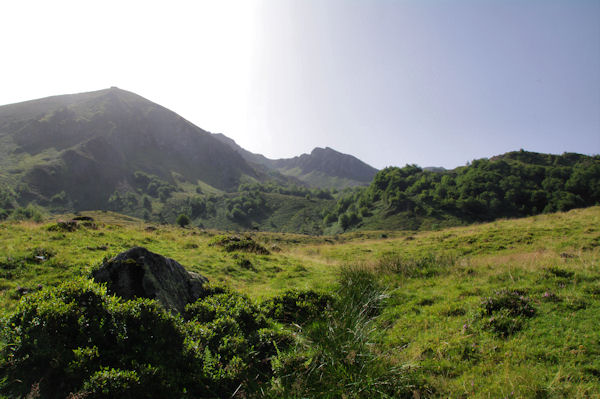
183, 220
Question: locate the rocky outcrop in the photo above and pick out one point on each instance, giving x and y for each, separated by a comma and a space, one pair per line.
139, 273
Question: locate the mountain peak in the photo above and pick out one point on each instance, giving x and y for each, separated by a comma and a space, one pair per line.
328, 162
93, 143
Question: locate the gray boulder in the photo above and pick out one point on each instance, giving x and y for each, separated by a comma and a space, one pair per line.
139, 273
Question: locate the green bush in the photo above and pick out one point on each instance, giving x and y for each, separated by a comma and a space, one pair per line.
243, 244
74, 338
182, 220
237, 339
30, 212
296, 306
110, 383
504, 312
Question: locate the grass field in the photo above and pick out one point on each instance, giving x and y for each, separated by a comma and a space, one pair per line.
503, 309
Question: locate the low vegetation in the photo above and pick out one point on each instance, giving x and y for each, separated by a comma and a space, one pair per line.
503, 309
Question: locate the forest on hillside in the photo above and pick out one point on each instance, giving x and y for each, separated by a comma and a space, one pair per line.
515, 184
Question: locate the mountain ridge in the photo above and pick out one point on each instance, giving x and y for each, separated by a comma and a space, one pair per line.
104, 137
323, 167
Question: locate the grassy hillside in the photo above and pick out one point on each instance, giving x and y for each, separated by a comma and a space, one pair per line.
503, 309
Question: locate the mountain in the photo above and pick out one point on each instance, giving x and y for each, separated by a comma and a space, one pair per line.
323, 167
326, 166
84, 147
247, 155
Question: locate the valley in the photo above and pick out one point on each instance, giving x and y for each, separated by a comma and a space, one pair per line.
326, 277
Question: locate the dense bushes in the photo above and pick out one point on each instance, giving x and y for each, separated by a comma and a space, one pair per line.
30, 212
77, 339
7, 201
74, 340
245, 204
153, 185
294, 190
238, 341
512, 185
60, 340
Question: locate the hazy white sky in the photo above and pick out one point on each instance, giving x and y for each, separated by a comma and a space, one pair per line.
392, 82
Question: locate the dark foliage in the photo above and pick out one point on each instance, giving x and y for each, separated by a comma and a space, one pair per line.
153, 185
294, 190
297, 306
68, 339
77, 339
243, 244
504, 312
182, 220
512, 185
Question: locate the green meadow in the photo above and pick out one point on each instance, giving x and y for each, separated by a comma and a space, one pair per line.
509, 308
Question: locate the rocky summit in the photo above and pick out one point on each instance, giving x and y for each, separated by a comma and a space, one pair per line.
139, 273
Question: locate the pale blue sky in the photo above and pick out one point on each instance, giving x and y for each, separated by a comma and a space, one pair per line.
392, 82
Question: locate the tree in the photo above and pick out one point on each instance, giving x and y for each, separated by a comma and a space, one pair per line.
183, 220
344, 221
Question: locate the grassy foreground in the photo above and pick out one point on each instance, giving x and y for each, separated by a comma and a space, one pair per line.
504, 309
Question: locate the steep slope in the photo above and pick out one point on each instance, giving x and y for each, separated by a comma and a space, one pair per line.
89, 145
247, 155
326, 166
323, 167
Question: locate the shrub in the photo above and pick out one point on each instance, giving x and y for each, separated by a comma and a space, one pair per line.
238, 340
30, 212
235, 243
75, 338
183, 220
296, 306
504, 312
109, 383
39, 255
245, 263
560, 273
61, 225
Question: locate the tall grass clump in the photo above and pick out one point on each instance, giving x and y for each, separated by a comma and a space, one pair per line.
425, 266
339, 355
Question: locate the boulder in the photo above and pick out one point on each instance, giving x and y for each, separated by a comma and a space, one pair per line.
139, 273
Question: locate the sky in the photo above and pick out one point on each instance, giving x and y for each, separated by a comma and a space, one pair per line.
432, 83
